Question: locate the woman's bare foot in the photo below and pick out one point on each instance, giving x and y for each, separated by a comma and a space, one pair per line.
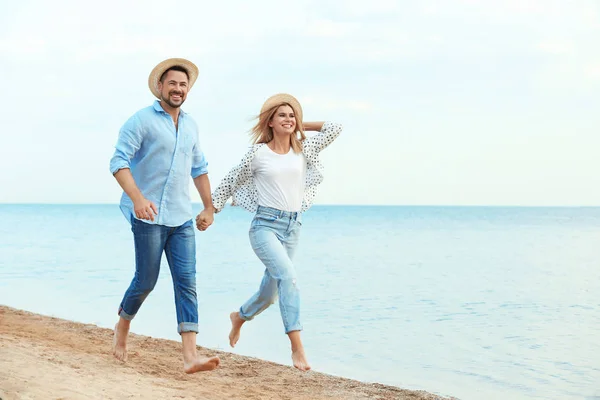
298, 356
201, 364
236, 325
120, 339
299, 359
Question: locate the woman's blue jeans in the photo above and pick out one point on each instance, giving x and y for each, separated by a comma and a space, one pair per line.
274, 235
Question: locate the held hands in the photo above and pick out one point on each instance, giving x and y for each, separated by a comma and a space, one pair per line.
205, 218
145, 209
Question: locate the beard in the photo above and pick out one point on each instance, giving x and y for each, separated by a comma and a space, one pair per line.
171, 103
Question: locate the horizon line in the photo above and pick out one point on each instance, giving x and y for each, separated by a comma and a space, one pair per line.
329, 205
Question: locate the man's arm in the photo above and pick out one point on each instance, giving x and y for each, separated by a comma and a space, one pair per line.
128, 143
143, 208
207, 216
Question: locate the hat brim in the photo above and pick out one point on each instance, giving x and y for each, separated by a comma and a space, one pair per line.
160, 69
280, 98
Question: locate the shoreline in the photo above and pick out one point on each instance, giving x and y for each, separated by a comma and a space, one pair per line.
42, 356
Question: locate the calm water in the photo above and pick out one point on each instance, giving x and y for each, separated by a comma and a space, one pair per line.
478, 303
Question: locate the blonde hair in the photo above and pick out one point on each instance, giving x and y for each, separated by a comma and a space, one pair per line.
263, 133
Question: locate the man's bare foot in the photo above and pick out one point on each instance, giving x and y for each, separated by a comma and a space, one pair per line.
236, 325
120, 341
299, 359
201, 364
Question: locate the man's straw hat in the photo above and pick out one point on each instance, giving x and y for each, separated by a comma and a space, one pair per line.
160, 69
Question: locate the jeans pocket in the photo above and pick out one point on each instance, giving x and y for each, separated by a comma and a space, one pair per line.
133, 221
264, 219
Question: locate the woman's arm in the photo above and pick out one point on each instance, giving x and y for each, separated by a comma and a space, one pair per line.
230, 183
313, 126
225, 189
328, 132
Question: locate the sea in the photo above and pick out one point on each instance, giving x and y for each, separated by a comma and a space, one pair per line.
470, 302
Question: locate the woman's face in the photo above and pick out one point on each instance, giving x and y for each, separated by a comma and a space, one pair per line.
283, 121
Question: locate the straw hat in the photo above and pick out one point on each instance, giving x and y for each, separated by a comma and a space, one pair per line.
283, 98
160, 69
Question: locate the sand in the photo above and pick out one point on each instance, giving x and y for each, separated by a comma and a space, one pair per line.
48, 358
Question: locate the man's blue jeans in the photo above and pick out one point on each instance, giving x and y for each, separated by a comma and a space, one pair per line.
179, 246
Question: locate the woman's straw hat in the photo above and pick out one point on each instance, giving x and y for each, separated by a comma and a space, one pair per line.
160, 69
283, 98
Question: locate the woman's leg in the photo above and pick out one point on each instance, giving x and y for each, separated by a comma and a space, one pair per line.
290, 243
267, 244
260, 301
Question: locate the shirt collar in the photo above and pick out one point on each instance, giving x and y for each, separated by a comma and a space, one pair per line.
158, 108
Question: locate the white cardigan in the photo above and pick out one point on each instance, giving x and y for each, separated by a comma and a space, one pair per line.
239, 182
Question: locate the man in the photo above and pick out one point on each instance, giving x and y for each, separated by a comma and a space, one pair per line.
156, 152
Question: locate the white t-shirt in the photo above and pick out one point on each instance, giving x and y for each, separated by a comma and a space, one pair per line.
279, 179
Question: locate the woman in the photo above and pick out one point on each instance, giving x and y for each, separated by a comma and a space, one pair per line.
277, 179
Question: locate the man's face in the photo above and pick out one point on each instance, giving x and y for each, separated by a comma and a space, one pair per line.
174, 88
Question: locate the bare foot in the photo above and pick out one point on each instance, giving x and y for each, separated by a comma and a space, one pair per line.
236, 325
120, 342
299, 359
201, 364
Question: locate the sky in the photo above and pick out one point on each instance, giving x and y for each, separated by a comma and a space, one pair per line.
449, 102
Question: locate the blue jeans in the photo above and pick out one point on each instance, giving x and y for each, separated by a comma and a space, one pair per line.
179, 245
274, 235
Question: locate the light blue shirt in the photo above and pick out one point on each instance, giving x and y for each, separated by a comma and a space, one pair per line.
161, 159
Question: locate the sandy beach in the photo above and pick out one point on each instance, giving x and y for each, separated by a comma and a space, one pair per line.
48, 358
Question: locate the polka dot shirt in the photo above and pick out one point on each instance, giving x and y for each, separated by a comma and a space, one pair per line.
239, 182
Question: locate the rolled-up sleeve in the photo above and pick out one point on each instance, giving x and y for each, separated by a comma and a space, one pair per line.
199, 163
128, 143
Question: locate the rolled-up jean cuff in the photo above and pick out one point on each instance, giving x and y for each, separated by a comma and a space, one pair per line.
243, 317
124, 315
187, 327
293, 328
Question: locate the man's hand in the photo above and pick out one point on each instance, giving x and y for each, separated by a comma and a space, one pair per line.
145, 209
205, 219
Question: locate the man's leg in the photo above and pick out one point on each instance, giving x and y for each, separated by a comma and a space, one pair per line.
181, 255
149, 241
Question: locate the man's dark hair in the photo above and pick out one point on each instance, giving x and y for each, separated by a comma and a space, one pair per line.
175, 68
